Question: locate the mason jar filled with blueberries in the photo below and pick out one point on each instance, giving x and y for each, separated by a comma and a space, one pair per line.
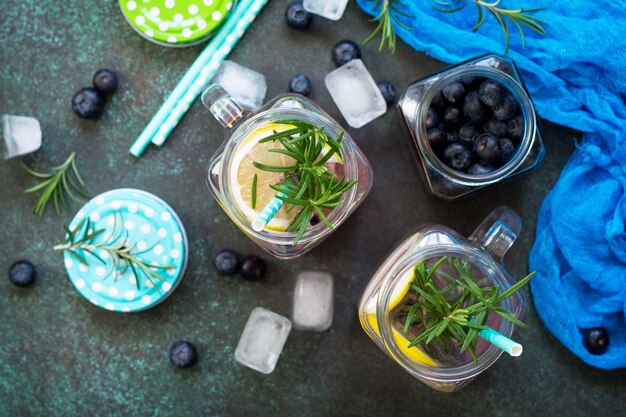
473, 125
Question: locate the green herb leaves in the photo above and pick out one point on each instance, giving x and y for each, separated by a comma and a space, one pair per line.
60, 183
458, 311
82, 240
309, 183
385, 19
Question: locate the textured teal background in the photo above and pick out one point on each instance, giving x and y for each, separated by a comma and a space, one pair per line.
61, 356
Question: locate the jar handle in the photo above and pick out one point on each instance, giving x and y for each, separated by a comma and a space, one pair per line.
497, 233
221, 105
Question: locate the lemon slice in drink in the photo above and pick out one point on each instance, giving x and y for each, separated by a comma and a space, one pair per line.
399, 292
243, 172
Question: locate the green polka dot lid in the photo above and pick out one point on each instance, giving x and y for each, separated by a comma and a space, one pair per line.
176, 22
144, 223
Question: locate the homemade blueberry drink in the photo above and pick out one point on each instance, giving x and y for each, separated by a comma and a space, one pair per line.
436, 302
287, 175
473, 125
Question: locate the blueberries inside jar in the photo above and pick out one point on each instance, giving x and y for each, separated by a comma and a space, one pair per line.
474, 125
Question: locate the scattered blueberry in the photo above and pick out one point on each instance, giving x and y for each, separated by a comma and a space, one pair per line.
437, 138
458, 156
474, 109
506, 109
431, 118
496, 127
183, 354
437, 100
453, 92
507, 150
252, 268
516, 127
297, 17
452, 117
595, 340
105, 81
300, 84
226, 262
88, 103
388, 91
487, 148
468, 133
480, 169
22, 273
345, 51
491, 92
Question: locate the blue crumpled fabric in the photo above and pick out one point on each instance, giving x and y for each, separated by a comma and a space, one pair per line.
576, 76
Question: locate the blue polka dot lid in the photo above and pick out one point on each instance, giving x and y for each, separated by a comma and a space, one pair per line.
143, 222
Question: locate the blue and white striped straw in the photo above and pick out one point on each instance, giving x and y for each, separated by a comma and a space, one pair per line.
501, 341
251, 10
264, 217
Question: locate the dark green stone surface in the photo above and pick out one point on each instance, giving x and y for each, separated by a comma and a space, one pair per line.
59, 355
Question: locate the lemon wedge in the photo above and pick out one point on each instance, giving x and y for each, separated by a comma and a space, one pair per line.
399, 292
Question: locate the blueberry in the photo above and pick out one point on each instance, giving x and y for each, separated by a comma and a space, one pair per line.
297, 17
468, 133
453, 92
452, 117
451, 137
388, 91
469, 82
88, 103
487, 148
105, 81
437, 100
252, 268
22, 273
457, 155
474, 109
505, 110
300, 84
491, 92
595, 340
496, 127
431, 118
344, 52
507, 150
516, 127
183, 354
480, 169
437, 138
226, 262
314, 220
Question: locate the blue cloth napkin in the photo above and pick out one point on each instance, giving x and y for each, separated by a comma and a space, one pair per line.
576, 75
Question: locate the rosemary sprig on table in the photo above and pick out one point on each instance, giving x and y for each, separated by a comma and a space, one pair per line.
458, 320
124, 254
308, 183
60, 182
518, 16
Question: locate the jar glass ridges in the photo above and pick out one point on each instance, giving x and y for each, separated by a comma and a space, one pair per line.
484, 251
443, 181
239, 126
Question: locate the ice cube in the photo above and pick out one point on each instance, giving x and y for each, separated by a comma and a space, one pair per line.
22, 135
246, 86
313, 301
330, 9
262, 340
355, 93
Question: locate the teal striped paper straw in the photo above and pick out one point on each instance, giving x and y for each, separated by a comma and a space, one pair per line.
192, 74
264, 217
501, 341
233, 31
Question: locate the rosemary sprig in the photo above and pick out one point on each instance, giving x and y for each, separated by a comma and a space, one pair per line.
254, 186
60, 182
519, 16
308, 183
123, 253
385, 19
455, 318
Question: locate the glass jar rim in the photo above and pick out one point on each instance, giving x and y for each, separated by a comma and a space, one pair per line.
336, 216
440, 374
526, 142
